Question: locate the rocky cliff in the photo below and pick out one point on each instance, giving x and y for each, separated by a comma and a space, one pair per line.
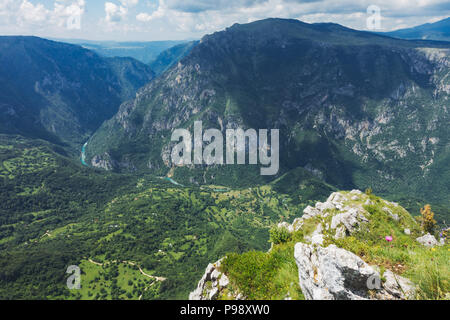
62, 92
354, 108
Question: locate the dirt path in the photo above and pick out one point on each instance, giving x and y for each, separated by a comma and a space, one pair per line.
131, 263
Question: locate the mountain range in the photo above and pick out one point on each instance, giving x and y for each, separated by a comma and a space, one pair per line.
439, 30
62, 92
356, 109
144, 51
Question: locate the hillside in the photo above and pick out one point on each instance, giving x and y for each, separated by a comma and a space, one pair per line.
356, 109
169, 57
113, 224
61, 92
352, 246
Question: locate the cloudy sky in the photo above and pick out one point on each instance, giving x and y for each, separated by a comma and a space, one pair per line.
188, 19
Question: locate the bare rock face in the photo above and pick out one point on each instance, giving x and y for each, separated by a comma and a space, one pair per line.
211, 284
333, 273
428, 240
104, 162
345, 219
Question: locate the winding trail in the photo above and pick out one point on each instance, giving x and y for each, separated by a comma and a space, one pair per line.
131, 263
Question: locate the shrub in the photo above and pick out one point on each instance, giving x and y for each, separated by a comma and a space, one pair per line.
279, 235
427, 221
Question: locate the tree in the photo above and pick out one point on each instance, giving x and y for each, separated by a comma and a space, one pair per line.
427, 219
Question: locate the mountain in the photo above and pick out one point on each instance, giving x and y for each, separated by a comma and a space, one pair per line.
169, 57
62, 92
354, 108
439, 30
145, 51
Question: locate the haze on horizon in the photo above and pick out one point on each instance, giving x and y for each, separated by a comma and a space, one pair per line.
151, 20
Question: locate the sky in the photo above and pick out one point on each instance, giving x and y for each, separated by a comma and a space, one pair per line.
151, 20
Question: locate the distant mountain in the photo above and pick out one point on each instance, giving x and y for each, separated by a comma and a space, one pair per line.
145, 52
355, 108
62, 92
169, 57
430, 31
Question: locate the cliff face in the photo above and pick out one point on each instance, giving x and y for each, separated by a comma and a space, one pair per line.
354, 108
62, 92
352, 246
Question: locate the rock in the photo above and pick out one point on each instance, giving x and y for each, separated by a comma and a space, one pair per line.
211, 284
310, 212
397, 286
286, 225
297, 224
351, 219
224, 281
393, 216
356, 192
333, 273
340, 233
325, 206
428, 240
213, 293
317, 239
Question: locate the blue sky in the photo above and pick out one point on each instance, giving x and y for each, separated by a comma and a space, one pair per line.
147, 20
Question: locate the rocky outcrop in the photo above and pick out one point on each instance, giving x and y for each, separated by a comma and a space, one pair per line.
333, 273
327, 272
212, 284
346, 219
428, 240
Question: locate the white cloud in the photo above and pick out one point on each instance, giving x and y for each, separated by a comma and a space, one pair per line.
129, 3
27, 16
29, 13
176, 19
205, 16
160, 12
114, 13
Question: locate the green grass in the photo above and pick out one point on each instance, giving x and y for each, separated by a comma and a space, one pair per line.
264, 276
118, 281
274, 274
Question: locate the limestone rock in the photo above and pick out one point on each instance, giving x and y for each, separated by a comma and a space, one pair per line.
398, 286
350, 219
211, 284
333, 273
428, 240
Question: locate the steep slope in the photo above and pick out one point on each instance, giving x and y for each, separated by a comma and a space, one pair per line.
169, 57
354, 108
352, 246
62, 92
439, 30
